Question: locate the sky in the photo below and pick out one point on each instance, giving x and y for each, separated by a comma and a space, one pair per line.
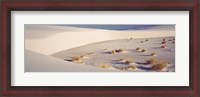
113, 27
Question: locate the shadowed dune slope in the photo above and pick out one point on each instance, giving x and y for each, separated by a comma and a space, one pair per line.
35, 62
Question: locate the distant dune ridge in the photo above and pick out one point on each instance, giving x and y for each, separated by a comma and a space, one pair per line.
73, 49
48, 39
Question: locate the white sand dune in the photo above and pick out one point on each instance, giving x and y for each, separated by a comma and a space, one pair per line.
35, 62
99, 53
49, 39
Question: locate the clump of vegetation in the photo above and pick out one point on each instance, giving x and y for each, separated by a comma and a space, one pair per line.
163, 46
143, 50
119, 50
126, 67
76, 58
105, 48
174, 39
153, 54
147, 39
163, 42
152, 61
164, 39
169, 40
131, 67
104, 66
138, 48
142, 41
123, 68
128, 62
121, 59
173, 42
113, 52
159, 66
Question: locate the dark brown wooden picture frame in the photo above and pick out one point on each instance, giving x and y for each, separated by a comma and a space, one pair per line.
193, 90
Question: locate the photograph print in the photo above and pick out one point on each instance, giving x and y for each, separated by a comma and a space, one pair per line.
99, 47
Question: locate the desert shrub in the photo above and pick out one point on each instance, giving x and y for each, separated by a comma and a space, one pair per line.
142, 41
121, 50
164, 39
131, 67
113, 52
104, 66
118, 50
153, 54
174, 39
169, 40
163, 42
147, 39
131, 38
151, 61
105, 49
123, 68
138, 48
159, 66
128, 62
173, 42
121, 59
163, 46
76, 58
143, 50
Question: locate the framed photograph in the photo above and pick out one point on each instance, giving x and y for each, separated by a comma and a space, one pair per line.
139, 48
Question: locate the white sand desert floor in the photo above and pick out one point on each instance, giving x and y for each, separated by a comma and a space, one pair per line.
100, 54
36, 62
51, 48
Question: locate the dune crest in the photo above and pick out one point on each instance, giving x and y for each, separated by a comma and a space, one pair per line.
49, 39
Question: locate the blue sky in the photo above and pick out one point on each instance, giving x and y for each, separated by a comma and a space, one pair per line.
114, 27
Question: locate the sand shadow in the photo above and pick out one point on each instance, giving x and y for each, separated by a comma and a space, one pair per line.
141, 63
144, 68
109, 52
116, 62
145, 55
141, 42
70, 60
106, 52
156, 47
132, 51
